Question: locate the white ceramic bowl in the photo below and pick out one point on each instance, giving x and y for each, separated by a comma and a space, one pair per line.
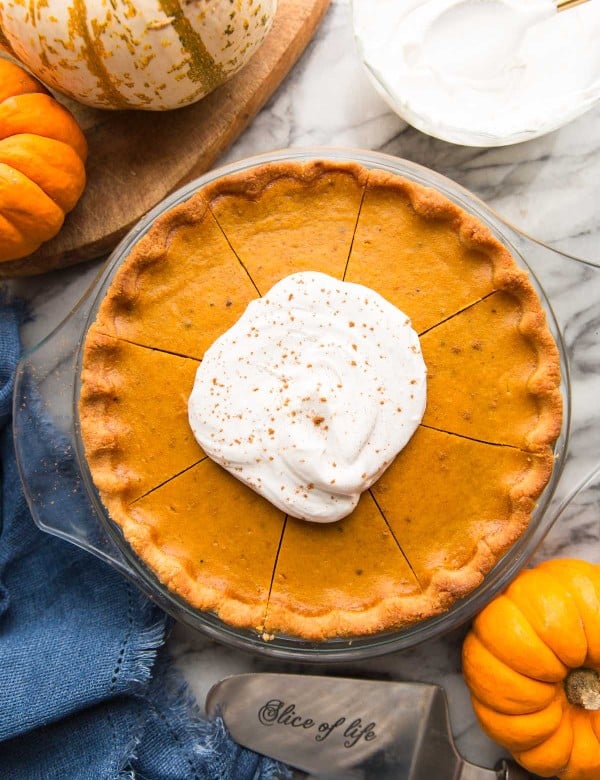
572, 104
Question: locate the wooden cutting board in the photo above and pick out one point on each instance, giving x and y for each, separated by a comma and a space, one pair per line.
136, 158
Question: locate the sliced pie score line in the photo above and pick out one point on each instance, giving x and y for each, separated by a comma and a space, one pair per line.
360, 205
492, 376
133, 415
209, 538
239, 259
474, 439
381, 512
180, 288
167, 480
261, 627
456, 313
478, 501
342, 579
415, 247
149, 346
289, 217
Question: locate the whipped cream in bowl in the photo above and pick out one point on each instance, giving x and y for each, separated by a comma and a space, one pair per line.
311, 394
481, 72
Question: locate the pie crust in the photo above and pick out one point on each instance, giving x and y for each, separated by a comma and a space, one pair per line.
453, 501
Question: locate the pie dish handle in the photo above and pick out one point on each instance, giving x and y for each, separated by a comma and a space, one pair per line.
44, 427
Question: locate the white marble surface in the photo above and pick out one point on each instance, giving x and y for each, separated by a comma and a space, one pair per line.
549, 188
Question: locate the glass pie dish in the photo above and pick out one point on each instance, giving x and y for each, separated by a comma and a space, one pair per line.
65, 502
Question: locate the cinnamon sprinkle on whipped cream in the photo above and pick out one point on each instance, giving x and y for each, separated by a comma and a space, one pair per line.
311, 394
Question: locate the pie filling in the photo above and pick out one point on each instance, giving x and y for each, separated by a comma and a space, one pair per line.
451, 503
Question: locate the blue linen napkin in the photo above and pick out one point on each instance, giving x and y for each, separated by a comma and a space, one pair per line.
86, 690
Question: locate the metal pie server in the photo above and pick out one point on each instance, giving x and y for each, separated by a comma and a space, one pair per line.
338, 728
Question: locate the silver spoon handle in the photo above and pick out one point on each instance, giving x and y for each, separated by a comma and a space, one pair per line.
564, 5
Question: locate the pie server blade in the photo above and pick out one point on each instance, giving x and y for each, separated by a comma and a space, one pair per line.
338, 728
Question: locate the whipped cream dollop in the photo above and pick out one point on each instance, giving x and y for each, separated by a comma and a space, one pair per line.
482, 71
311, 394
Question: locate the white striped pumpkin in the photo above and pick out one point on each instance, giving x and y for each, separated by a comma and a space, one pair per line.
148, 54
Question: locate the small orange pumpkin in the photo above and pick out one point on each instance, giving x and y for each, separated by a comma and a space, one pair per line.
42, 156
532, 664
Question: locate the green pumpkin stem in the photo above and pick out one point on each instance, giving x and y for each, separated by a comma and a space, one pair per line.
582, 687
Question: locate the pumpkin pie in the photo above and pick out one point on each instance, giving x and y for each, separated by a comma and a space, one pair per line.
452, 502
